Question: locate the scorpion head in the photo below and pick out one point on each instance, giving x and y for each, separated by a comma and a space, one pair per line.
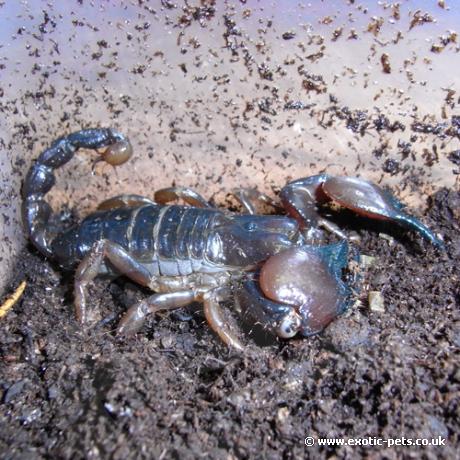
300, 290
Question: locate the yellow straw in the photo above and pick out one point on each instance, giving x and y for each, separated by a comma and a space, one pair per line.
10, 301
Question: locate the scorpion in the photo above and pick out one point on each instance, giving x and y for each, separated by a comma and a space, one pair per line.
198, 253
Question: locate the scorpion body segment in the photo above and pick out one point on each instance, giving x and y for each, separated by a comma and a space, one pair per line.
200, 253
177, 240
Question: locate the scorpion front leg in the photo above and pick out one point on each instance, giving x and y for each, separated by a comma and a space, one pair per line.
133, 320
217, 322
124, 201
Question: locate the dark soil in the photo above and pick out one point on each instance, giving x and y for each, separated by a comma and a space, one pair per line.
174, 391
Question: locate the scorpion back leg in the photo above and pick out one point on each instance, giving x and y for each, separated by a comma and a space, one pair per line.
166, 195
248, 196
124, 201
94, 264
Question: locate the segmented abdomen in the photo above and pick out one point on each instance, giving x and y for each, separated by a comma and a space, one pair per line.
171, 240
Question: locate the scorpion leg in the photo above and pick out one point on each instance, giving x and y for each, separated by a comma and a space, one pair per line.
93, 264
134, 318
214, 317
124, 201
248, 196
165, 195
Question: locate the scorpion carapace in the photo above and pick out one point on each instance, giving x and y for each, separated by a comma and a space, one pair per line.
200, 253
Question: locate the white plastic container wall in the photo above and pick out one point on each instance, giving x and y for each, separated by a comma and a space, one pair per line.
216, 95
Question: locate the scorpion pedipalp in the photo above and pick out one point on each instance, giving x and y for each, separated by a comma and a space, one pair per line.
302, 197
308, 279
371, 201
299, 290
289, 325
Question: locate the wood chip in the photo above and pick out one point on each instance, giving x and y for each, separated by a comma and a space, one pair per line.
376, 301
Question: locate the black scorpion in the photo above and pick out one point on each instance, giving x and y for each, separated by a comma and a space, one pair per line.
199, 253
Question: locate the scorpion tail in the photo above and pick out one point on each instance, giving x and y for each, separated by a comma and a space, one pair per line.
36, 212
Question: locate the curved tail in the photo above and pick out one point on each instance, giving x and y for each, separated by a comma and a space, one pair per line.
36, 212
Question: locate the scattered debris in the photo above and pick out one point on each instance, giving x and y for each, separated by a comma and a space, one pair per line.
366, 261
385, 60
387, 237
288, 35
376, 301
420, 18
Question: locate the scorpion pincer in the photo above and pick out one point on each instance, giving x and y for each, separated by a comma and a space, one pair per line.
198, 253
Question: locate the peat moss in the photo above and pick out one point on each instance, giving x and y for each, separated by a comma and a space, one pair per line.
174, 391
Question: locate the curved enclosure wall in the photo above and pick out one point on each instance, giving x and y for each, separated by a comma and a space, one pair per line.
217, 95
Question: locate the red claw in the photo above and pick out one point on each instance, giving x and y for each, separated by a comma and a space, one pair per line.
360, 196
299, 277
